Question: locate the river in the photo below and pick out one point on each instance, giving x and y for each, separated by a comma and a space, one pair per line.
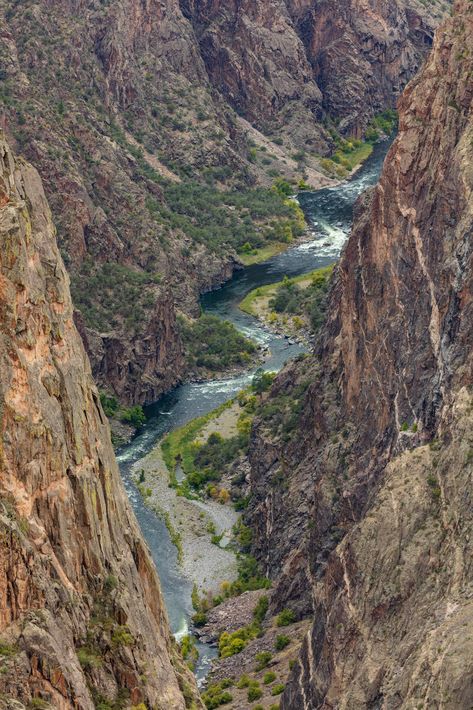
329, 215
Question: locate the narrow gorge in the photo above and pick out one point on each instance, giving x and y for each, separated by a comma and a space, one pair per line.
291, 401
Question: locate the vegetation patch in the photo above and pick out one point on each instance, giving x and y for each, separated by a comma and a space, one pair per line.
205, 462
217, 694
285, 617
351, 152
111, 295
189, 651
134, 416
211, 343
292, 304
244, 219
249, 579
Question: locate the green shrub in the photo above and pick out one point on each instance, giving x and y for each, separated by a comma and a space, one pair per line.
189, 651
261, 608
109, 404
281, 642
231, 644
262, 659
262, 381
254, 693
110, 583
134, 416
216, 694
121, 636
285, 617
88, 658
199, 618
269, 677
278, 689
7, 650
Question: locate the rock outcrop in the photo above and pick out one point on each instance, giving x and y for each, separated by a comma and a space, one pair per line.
367, 504
82, 619
284, 63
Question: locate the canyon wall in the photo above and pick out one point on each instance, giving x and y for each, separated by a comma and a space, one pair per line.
82, 618
285, 65
367, 503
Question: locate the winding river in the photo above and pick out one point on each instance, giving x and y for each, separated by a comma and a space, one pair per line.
329, 215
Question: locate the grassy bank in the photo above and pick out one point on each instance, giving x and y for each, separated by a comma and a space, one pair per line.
250, 303
256, 256
294, 307
178, 446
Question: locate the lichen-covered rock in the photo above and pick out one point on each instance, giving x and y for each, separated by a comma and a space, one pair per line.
82, 619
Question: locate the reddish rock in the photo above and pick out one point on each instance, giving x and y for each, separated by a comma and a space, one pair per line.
74, 568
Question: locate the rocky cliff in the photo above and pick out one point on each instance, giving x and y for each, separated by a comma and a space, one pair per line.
82, 619
281, 64
118, 103
366, 503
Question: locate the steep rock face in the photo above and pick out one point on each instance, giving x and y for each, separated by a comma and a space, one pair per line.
393, 610
82, 619
257, 61
389, 375
281, 63
142, 368
362, 53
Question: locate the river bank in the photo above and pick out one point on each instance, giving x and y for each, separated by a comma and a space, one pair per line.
189, 523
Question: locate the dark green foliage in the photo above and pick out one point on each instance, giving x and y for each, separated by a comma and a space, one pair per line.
109, 404
269, 677
199, 618
243, 535
281, 642
216, 694
285, 617
134, 416
203, 213
189, 651
282, 413
254, 693
109, 295
261, 608
311, 301
262, 381
215, 344
384, 123
212, 458
262, 660
277, 689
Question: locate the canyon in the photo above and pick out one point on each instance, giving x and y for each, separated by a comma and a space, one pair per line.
359, 511
120, 105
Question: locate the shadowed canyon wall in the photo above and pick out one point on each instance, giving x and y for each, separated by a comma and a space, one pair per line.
363, 517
